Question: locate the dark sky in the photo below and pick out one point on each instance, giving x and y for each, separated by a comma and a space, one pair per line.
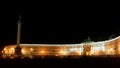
57, 24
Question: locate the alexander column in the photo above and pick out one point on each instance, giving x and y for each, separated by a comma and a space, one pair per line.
18, 48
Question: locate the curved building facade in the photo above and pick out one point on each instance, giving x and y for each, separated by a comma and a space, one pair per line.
107, 47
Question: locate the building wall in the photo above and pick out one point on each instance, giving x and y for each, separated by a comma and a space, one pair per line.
93, 48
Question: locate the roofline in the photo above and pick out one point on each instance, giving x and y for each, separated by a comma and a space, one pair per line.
106, 41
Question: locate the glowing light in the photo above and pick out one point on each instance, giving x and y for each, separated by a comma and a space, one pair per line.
42, 51
12, 50
73, 49
31, 49
6, 52
4, 49
76, 49
111, 49
63, 52
94, 48
23, 51
78, 52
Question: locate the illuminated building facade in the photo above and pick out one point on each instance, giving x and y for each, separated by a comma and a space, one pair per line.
108, 47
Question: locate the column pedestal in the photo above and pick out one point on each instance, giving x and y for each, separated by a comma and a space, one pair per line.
18, 50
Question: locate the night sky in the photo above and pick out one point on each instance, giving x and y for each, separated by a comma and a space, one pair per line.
57, 24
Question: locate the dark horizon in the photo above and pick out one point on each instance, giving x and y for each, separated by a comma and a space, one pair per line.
57, 25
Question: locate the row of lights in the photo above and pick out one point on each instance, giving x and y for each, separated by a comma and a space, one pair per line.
78, 51
43, 52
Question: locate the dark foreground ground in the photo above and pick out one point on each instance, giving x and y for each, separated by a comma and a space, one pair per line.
82, 62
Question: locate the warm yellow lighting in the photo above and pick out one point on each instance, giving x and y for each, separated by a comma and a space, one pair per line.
108, 47
4, 49
111, 49
78, 52
6, 52
23, 51
12, 50
31, 49
88, 53
63, 52
42, 51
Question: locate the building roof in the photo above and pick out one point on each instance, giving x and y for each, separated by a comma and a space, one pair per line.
94, 43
